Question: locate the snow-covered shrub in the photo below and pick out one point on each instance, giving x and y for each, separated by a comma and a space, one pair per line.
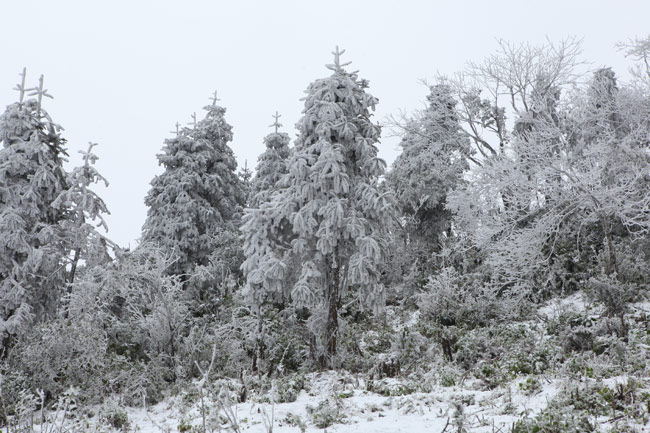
294, 421
286, 342
33, 413
577, 407
144, 311
327, 412
392, 387
579, 332
13, 383
233, 338
409, 349
448, 375
557, 419
112, 414
452, 305
271, 347
614, 294
633, 265
499, 353
380, 346
531, 385
452, 299
135, 379
286, 389
122, 330
63, 353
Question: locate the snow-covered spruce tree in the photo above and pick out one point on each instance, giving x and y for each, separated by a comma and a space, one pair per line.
32, 245
246, 176
323, 234
198, 196
433, 161
271, 165
85, 210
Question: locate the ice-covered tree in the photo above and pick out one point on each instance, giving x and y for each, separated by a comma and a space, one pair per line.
639, 50
246, 176
433, 161
504, 85
323, 234
85, 213
271, 165
32, 245
199, 194
575, 167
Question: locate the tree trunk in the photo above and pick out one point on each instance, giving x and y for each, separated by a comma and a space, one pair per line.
612, 266
73, 269
258, 356
332, 316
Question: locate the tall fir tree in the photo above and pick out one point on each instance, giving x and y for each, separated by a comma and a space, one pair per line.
433, 161
85, 212
198, 195
323, 235
32, 245
271, 165
246, 176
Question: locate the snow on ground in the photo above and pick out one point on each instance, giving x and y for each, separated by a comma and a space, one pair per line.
341, 402
576, 303
361, 411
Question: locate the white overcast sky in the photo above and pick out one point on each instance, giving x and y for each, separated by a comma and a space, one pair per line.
124, 72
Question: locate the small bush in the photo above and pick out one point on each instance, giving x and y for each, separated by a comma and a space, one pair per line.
531, 385
327, 412
556, 420
295, 421
114, 416
392, 388
287, 388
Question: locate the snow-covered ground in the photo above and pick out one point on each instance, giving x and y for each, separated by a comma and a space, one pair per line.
339, 401
357, 410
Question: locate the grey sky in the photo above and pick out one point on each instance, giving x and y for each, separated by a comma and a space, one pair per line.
124, 72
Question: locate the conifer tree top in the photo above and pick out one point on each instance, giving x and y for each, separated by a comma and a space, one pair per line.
214, 99
21, 87
40, 92
276, 123
337, 66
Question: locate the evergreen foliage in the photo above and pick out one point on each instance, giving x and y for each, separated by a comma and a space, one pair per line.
433, 161
85, 211
198, 195
32, 242
271, 165
324, 233
556, 202
246, 176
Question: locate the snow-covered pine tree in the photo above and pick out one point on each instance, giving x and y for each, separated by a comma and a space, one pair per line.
324, 233
433, 161
271, 165
85, 210
246, 176
32, 246
198, 195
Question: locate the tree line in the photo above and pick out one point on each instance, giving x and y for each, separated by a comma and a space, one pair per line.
520, 179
